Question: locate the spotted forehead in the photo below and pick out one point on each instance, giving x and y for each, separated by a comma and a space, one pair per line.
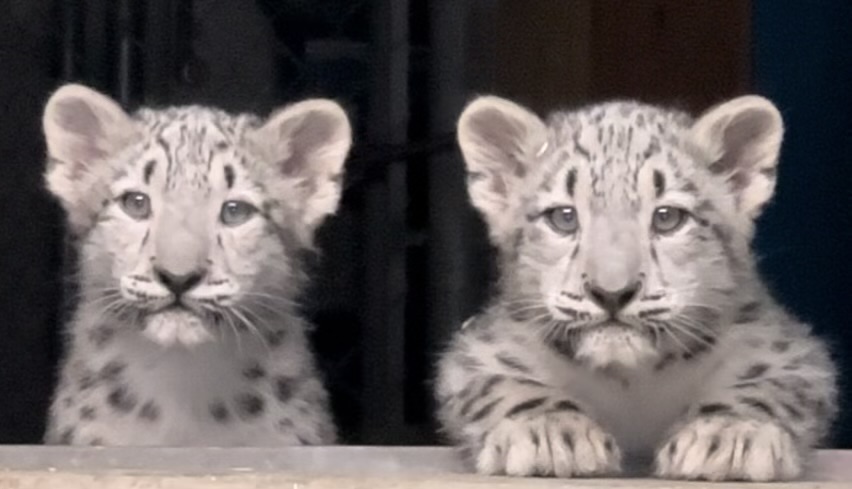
189, 144
610, 144
193, 126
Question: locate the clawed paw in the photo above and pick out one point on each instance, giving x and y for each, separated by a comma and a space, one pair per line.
556, 444
728, 448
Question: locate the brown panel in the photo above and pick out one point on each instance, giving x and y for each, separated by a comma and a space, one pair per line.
548, 53
691, 52
542, 51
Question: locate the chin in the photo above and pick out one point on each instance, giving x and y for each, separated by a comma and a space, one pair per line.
615, 346
176, 326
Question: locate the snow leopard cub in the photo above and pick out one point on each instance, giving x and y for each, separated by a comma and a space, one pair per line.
630, 318
189, 223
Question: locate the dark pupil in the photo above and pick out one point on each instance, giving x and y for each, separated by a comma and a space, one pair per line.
564, 218
236, 210
137, 201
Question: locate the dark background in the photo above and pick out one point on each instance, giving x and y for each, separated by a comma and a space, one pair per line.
406, 260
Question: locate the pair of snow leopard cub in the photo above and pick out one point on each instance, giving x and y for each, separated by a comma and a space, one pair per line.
630, 318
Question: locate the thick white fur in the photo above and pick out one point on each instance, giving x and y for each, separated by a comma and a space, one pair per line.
83, 129
748, 132
128, 348
313, 137
702, 371
496, 136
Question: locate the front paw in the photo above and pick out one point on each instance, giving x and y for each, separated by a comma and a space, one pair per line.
729, 448
555, 444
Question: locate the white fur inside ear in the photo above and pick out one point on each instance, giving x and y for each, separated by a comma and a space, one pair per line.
308, 143
499, 140
83, 129
741, 139
81, 125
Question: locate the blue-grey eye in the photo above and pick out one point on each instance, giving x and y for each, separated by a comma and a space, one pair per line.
136, 205
668, 219
236, 212
563, 220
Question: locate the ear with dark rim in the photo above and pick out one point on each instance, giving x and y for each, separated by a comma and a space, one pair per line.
742, 140
83, 130
308, 143
499, 141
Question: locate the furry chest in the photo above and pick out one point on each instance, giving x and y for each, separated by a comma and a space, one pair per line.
639, 409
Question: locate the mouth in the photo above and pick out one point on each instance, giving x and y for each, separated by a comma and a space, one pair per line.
612, 323
176, 324
174, 310
180, 308
609, 324
614, 343
176, 307
617, 326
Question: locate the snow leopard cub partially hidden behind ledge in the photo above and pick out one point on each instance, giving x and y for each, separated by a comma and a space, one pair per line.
189, 224
630, 318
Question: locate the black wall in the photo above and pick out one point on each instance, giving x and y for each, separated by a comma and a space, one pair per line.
802, 62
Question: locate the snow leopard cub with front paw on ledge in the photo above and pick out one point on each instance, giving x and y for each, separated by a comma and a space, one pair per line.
630, 318
189, 223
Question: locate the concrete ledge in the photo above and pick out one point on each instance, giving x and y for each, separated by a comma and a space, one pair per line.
315, 468
73, 480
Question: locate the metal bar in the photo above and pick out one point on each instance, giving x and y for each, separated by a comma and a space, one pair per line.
449, 212
70, 12
384, 235
96, 66
161, 50
124, 39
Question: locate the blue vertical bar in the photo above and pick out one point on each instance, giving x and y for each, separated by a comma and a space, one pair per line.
802, 61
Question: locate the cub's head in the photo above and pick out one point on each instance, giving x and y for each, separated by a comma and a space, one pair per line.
623, 228
189, 213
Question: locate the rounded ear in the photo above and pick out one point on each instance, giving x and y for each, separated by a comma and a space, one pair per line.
742, 140
499, 141
308, 143
83, 129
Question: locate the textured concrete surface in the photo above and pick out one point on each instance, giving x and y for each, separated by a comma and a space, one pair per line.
315, 468
28, 480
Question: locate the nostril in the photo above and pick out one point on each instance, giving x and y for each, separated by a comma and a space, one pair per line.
179, 283
628, 294
598, 295
193, 279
